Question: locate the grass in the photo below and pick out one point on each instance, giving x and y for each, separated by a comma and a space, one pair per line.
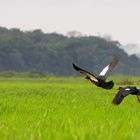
65, 109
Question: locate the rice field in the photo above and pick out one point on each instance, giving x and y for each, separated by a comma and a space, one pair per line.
57, 108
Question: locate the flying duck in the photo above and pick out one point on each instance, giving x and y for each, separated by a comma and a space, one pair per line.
100, 80
123, 92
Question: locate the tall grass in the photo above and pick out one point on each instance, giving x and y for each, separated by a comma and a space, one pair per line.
64, 109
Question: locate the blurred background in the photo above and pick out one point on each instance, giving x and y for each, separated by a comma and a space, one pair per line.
44, 37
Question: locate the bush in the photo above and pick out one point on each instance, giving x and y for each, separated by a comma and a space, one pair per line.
8, 74
126, 82
36, 74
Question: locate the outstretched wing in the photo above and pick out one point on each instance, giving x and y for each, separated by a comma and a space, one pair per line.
108, 68
91, 76
118, 99
122, 93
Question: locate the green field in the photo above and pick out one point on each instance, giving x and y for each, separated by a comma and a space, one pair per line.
65, 109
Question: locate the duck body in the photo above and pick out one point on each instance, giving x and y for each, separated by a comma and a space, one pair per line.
102, 83
106, 85
129, 90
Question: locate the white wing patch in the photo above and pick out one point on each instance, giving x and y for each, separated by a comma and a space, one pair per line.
127, 89
104, 71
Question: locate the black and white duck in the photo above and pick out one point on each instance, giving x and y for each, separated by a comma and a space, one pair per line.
100, 80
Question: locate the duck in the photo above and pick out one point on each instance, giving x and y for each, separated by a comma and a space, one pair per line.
125, 91
100, 80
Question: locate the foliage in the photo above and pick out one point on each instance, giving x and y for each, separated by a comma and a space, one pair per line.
36, 74
54, 53
126, 82
8, 74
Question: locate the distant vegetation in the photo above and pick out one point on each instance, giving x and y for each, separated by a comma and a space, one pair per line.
54, 53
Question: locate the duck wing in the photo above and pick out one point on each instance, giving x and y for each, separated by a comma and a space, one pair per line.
122, 93
118, 98
106, 71
90, 75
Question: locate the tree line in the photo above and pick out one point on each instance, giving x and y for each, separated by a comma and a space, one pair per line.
53, 53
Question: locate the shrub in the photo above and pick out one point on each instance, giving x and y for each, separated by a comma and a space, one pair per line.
8, 74
36, 74
126, 82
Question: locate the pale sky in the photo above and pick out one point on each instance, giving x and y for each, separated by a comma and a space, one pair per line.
118, 18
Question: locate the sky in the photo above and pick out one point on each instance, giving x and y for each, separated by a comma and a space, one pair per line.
118, 18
